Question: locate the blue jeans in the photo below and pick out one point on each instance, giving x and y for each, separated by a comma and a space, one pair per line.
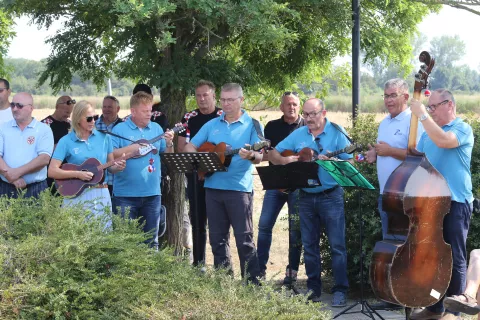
320, 211
455, 231
273, 202
146, 209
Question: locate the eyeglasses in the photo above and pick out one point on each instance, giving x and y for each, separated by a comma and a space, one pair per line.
287, 93
90, 118
432, 107
393, 96
68, 102
229, 100
3, 89
311, 114
18, 105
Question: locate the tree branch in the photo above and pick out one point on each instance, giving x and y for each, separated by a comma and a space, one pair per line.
463, 5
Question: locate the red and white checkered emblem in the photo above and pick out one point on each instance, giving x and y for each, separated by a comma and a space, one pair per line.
31, 140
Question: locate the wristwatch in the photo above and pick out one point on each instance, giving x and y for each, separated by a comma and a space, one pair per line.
423, 117
170, 145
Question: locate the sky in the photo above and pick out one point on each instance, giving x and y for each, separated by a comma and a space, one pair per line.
29, 42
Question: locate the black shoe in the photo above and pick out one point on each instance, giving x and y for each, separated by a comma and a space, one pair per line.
313, 297
383, 305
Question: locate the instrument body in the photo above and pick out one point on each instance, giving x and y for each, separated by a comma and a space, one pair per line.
75, 187
414, 272
225, 151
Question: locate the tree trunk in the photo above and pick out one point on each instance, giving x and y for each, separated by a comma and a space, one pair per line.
173, 105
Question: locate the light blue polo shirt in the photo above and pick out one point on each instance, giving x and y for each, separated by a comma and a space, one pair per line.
453, 163
394, 131
18, 147
137, 180
331, 139
75, 151
238, 176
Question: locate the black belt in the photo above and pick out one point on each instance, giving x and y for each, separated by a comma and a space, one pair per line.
326, 191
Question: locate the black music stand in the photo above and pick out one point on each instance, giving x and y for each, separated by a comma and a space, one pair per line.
192, 162
348, 176
289, 177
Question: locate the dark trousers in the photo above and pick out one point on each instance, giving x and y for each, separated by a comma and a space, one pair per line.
33, 189
455, 231
199, 231
227, 208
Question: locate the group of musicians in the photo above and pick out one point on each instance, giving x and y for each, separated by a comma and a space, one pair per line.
226, 198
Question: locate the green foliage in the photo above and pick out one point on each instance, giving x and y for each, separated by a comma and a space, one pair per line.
6, 35
61, 264
364, 203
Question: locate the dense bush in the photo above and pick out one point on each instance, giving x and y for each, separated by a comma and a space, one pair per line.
62, 264
364, 202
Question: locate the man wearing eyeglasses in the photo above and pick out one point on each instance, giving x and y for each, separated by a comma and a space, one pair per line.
59, 122
274, 200
26, 146
106, 122
448, 143
320, 207
5, 110
391, 148
229, 195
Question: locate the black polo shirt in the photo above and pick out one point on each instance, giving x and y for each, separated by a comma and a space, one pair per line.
277, 130
59, 128
195, 120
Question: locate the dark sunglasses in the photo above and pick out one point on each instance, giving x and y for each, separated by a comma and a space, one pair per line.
69, 102
287, 93
90, 118
18, 105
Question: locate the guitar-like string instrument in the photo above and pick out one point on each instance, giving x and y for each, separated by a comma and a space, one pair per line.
74, 187
415, 272
308, 155
225, 151
177, 129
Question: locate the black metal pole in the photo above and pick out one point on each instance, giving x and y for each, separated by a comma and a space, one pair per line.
355, 58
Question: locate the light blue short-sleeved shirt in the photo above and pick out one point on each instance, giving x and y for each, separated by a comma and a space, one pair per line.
75, 151
331, 139
453, 163
138, 179
18, 147
394, 131
238, 176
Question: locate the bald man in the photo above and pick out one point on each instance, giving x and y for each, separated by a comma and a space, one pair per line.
26, 146
58, 121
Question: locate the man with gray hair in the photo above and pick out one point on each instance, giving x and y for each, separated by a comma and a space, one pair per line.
26, 146
448, 143
391, 147
228, 194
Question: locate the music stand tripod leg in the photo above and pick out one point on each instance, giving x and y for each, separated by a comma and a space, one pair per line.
196, 218
365, 307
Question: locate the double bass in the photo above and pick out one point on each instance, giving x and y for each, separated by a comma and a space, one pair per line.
415, 272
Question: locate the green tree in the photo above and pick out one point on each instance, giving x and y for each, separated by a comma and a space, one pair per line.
6, 35
170, 44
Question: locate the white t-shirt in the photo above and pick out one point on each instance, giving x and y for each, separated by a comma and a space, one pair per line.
6, 115
394, 131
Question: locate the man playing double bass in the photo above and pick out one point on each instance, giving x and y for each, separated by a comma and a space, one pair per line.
448, 143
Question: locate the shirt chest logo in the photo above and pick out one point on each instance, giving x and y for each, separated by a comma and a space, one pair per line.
76, 150
31, 140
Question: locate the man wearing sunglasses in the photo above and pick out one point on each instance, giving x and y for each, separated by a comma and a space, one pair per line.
26, 146
448, 142
320, 207
5, 110
59, 122
274, 200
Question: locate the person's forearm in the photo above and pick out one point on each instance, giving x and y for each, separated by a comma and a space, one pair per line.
35, 165
117, 153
